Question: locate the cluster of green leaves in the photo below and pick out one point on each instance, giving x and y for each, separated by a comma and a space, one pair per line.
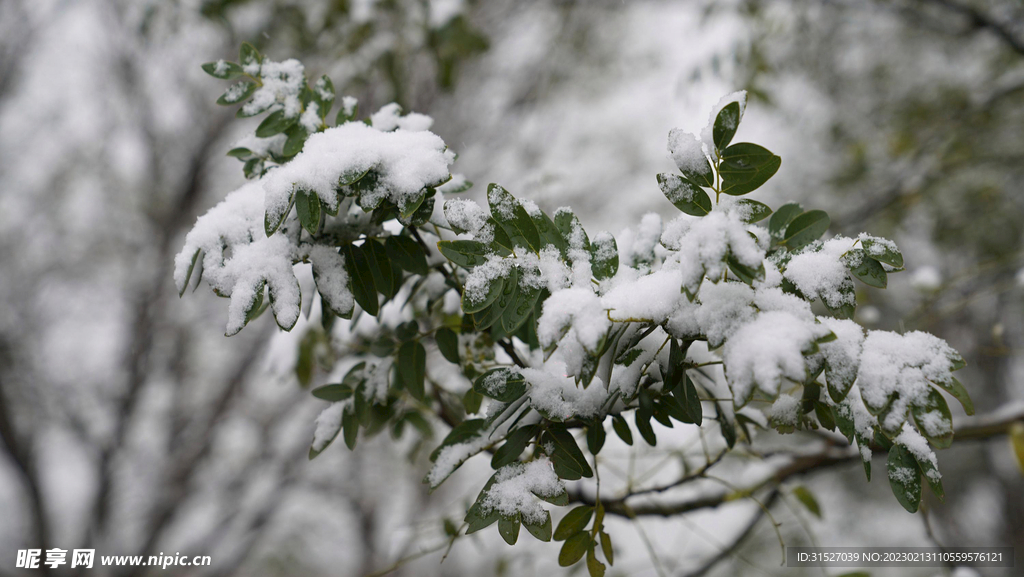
247, 72
394, 392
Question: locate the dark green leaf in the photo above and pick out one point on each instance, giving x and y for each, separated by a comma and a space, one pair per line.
744, 272
573, 522
275, 123
958, 391
323, 93
508, 528
745, 167
513, 218
643, 424
930, 418
307, 205
904, 478
867, 270
686, 195
574, 549
805, 229
606, 547
595, 437
604, 256
541, 531
350, 426
412, 367
622, 429
236, 93
363, 288
782, 217
755, 211
297, 136
571, 230
515, 443
726, 123
407, 253
464, 253
883, 252
448, 344
503, 384
515, 314
383, 274
567, 459
249, 57
223, 70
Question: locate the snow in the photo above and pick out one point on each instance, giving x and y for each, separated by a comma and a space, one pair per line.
555, 394
348, 105
703, 244
405, 162
905, 364
468, 216
310, 118
579, 312
515, 489
821, 271
237, 222
687, 151
842, 354
331, 277
653, 297
764, 352
918, 446
328, 423
451, 456
479, 281
785, 411
282, 83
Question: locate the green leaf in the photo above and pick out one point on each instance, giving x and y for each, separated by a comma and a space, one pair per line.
782, 217
464, 253
471, 401
595, 437
606, 547
687, 397
297, 136
478, 520
333, 393
932, 412
594, 567
508, 528
805, 229
323, 93
240, 153
574, 549
520, 309
756, 211
249, 56
384, 278
464, 431
622, 429
541, 531
904, 478
363, 288
958, 391
515, 443
513, 218
726, 123
509, 290
882, 252
744, 272
448, 343
350, 427
494, 288
745, 167
604, 256
643, 425
573, 522
931, 475
502, 384
223, 70
275, 123
549, 234
412, 367
407, 253
236, 93
307, 205
804, 495
569, 227
867, 270
568, 460
1017, 443
728, 429
686, 195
